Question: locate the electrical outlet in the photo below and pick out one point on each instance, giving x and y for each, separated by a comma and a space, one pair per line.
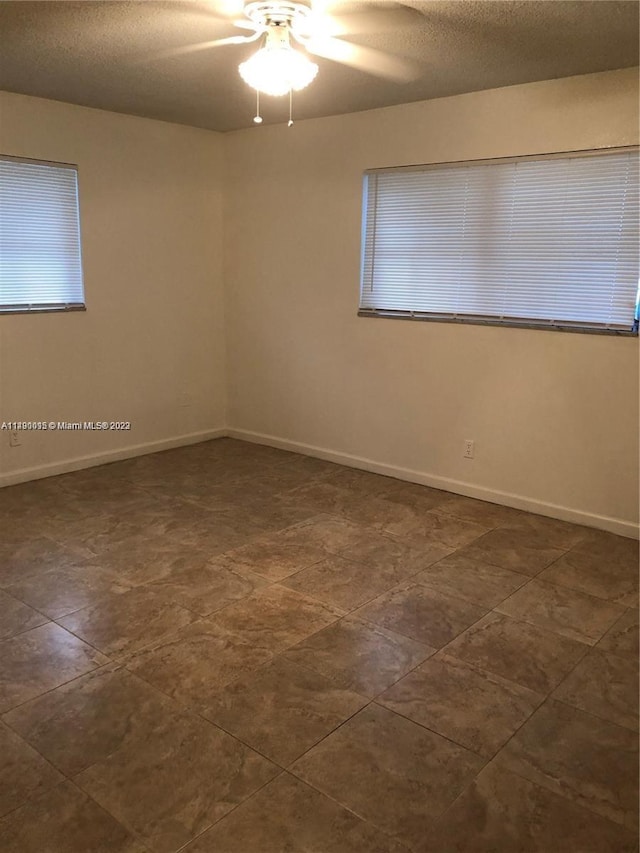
469, 449
14, 438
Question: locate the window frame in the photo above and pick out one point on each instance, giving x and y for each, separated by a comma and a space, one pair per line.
429, 317
58, 307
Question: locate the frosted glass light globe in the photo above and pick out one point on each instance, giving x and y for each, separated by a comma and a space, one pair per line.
277, 69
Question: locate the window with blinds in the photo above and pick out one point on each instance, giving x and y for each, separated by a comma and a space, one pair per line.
40, 256
550, 241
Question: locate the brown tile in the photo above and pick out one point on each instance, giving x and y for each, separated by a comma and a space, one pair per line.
421, 498
84, 721
197, 661
23, 773
148, 558
382, 513
347, 583
469, 706
479, 512
559, 534
421, 613
363, 482
16, 501
275, 618
124, 622
588, 760
312, 466
502, 813
169, 520
516, 549
472, 580
278, 479
622, 637
40, 659
324, 497
523, 653
93, 534
162, 522
604, 577
394, 556
598, 544
257, 489
97, 485
277, 555
439, 528
273, 513
390, 771
200, 528
16, 617
17, 526
287, 815
64, 820
209, 588
399, 512
59, 512
215, 538
199, 773
604, 565
605, 685
61, 591
33, 557
376, 512
202, 488
282, 709
90, 504
227, 449
566, 612
331, 533
359, 657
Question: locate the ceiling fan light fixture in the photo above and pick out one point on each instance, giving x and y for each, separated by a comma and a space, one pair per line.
277, 68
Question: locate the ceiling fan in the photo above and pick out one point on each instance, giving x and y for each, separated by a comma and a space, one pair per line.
292, 30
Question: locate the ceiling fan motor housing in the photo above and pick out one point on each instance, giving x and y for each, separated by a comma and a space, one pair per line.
279, 13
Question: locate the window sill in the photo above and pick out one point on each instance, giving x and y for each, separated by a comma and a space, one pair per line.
42, 309
513, 324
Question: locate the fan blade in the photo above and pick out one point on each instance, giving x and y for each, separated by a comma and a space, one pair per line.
203, 45
230, 7
372, 21
364, 58
244, 25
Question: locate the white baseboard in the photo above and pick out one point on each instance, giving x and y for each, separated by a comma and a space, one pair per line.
601, 522
23, 475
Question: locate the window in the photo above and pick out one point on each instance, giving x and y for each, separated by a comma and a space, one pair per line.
549, 242
40, 258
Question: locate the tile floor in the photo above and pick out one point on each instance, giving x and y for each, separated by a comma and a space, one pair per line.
227, 648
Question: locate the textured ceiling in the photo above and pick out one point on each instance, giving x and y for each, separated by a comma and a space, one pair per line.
101, 54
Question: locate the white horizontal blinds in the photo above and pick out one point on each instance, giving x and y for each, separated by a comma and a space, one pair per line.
551, 241
40, 258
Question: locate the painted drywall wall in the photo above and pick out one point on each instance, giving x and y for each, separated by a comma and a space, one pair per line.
149, 348
554, 416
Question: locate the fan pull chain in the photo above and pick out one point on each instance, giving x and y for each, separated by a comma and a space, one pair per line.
257, 117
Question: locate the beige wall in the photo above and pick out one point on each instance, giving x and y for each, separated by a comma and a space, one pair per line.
554, 415
149, 348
